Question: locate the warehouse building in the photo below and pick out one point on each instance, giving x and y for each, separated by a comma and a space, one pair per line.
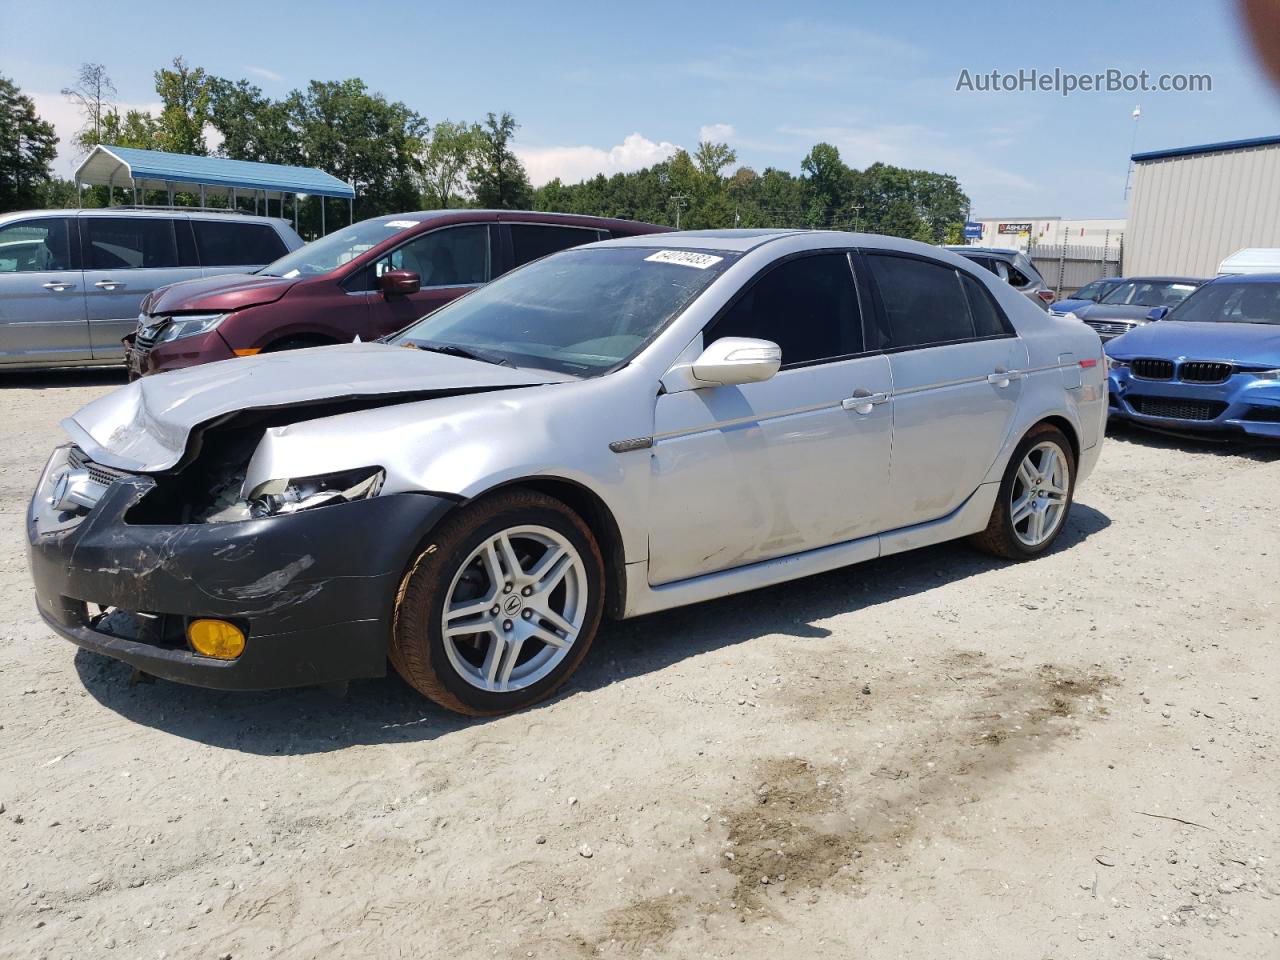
1193, 206
1023, 232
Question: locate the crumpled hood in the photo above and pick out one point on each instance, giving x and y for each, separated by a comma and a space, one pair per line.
1113, 311
220, 293
1247, 343
144, 426
1063, 306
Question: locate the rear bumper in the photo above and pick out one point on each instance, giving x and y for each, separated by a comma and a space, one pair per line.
187, 352
1242, 404
313, 591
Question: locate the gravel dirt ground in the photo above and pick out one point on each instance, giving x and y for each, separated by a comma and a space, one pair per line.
936, 754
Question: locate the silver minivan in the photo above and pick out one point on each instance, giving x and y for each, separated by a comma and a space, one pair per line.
72, 281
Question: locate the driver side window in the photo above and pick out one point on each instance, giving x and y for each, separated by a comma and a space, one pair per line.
451, 257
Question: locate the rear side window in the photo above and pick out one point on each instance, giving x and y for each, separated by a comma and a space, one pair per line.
34, 246
923, 302
129, 243
807, 306
529, 241
988, 321
224, 244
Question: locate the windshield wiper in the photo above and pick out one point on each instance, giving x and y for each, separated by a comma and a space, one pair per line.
453, 350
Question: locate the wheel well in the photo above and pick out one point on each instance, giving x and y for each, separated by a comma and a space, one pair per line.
599, 518
1068, 431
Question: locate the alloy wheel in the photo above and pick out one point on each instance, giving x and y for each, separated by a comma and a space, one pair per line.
1038, 501
515, 608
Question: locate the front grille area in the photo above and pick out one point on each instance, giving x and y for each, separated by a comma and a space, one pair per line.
1149, 368
148, 330
1203, 371
1175, 409
97, 472
1109, 328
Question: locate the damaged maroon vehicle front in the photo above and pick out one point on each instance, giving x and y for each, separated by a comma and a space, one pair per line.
142, 532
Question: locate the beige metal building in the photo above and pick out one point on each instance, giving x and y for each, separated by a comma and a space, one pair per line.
1191, 207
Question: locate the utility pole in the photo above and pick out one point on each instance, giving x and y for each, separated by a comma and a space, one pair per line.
1137, 117
681, 201
855, 207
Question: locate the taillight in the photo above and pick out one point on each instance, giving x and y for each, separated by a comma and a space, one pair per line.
1089, 363
1046, 295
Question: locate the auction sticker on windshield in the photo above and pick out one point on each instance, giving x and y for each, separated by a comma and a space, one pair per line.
685, 258
401, 224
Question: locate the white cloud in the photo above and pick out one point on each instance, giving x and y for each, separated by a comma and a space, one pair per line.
67, 121
265, 74
716, 132
577, 163
922, 148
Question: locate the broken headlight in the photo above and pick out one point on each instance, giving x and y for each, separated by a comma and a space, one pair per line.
278, 497
191, 326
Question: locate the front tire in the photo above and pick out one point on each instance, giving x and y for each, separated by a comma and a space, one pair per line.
1035, 497
501, 608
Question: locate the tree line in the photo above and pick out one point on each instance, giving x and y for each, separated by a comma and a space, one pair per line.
397, 160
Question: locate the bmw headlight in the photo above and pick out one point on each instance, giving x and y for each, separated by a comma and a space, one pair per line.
278, 497
1267, 374
1114, 364
191, 326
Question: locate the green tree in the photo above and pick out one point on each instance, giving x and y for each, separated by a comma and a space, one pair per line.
28, 146
253, 126
498, 178
93, 93
445, 161
185, 93
712, 158
136, 128
362, 138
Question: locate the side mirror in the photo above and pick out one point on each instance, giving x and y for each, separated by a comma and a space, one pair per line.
1157, 313
399, 282
730, 361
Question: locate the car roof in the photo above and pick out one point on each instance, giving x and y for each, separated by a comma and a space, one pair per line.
1195, 280
1245, 278
530, 216
985, 251
742, 241
124, 211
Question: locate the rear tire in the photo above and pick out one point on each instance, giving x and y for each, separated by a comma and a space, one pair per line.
1035, 497
501, 608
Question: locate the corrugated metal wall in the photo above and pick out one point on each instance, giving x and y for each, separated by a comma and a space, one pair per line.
1189, 213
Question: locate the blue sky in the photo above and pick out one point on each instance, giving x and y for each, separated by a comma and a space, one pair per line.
601, 86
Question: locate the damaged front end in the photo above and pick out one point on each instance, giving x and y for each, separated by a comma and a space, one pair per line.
304, 569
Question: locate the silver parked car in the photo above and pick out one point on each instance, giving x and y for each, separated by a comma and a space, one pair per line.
1013, 267
609, 431
72, 281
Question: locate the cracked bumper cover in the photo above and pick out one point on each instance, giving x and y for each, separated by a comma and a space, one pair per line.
315, 589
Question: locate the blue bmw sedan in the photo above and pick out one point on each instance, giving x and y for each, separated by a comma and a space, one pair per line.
1213, 365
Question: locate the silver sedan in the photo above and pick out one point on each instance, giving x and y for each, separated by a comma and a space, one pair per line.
610, 431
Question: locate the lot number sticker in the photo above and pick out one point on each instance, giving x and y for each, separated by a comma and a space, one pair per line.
685, 258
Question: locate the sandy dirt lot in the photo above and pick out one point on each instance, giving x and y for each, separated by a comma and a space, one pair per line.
933, 755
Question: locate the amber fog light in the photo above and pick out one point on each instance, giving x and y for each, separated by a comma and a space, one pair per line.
216, 638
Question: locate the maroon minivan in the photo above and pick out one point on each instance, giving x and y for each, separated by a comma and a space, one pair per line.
366, 280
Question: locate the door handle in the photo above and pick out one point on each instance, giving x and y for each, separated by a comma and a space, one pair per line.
109, 284
57, 285
863, 401
1002, 377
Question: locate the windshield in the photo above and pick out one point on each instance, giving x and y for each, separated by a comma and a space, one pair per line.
1091, 291
581, 311
1232, 303
341, 246
1149, 293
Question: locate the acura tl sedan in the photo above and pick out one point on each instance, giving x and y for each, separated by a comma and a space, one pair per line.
612, 430
1212, 366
